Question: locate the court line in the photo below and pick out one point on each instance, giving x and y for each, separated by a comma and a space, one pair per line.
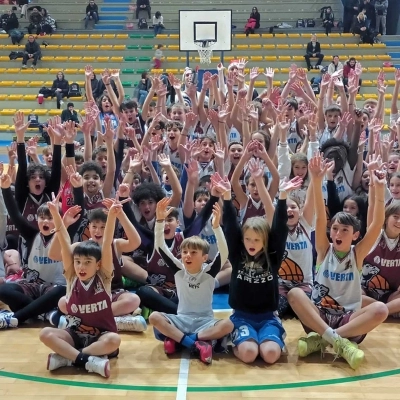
183, 376
198, 389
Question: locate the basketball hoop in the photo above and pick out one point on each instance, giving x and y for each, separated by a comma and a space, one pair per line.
204, 47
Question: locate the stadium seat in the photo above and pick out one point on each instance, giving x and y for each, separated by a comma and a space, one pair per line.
40, 112
28, 97
9, 112
15, 97
55, 112
6, 83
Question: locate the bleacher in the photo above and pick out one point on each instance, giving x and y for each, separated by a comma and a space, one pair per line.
132, 51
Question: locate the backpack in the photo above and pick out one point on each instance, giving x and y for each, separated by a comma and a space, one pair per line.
33, 120
16, 54
16, 36
74, 90
310, 23
300, 23
143, 23
46, 92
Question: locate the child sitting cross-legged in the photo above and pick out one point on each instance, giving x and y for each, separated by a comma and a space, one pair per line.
88, 270
194, 325
334, 315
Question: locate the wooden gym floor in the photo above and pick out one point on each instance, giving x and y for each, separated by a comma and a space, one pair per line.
143, 371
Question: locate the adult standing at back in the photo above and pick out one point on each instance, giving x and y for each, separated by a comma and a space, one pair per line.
60, 88
92, 12
313, 51
143, 5
381, 7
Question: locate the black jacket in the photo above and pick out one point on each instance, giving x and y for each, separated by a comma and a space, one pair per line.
257, 17
64, 85
66, 115
35, 18
93, 8
32, 48
310, 50
12, 22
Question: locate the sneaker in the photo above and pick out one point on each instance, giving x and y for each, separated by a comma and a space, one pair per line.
99, 366
170, 346
349, 351
7, 319
61, 102
131, 323
55, 361
24, 66
310, 344
57, 318
33, 66
204, 350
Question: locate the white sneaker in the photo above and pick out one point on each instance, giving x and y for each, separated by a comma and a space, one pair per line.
7, 319
24, 66
99, 366
131, 323
55, 361
61, 102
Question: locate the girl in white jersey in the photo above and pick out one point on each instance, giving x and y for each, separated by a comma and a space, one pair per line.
297, 265
336, 296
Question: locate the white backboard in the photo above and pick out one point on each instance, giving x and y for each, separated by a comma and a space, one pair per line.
205, 25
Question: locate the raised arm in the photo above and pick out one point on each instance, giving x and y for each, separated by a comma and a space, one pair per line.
317, 171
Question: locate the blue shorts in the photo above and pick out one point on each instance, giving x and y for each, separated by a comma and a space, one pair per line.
257, 327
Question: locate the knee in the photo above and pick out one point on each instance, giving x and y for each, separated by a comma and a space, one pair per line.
247, 352
270, 354
45, 335
112, 340
155, 318
294, 295
130, 299
379, 311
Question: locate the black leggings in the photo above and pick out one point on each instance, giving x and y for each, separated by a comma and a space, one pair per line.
25, 307
156, 302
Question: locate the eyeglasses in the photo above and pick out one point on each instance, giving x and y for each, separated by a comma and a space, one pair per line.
157, 127
188, 74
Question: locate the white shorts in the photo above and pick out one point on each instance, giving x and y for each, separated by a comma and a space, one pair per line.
188, 324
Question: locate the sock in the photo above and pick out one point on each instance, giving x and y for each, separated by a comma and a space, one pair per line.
194, 337
81, 360
187, 341
216, 283
330, 335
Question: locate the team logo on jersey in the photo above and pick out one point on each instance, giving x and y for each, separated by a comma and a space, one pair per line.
30, 217
99, 288
321, 297
372, 280
290, 271
160, 262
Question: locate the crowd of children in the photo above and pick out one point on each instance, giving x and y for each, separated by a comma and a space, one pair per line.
289, 199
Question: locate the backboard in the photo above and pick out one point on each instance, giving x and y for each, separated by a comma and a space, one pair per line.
205, 25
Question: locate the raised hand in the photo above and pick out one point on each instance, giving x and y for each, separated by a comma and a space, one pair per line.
164, 161
88, 70
188, 149
256, 168
241, 64
20, 125
293, 184
230, 79
254, 73
135, 163
191, 120
223, 113
292, 72
74, 177
115, 73
345, 120
54, 207
192, 171
326, 80
317, 168
124, 190
72, 215
301, 74
12, 152
219, 152
5, 181
337, 74
163, 209
87, 126
222, 185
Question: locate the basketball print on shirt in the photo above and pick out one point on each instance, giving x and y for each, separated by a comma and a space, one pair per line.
372, 280
290, 271
75, 323
321, 298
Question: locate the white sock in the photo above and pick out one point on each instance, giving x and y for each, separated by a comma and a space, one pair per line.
330, 335
216, 283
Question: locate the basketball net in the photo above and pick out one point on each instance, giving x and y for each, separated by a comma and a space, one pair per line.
205, 51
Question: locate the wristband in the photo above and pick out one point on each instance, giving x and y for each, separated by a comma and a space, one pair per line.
160, 220
69, 150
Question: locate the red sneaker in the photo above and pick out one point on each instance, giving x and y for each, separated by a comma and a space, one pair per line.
205, 351
170, 346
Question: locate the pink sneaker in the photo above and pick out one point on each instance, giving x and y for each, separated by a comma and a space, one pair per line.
170, 346
205, 351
